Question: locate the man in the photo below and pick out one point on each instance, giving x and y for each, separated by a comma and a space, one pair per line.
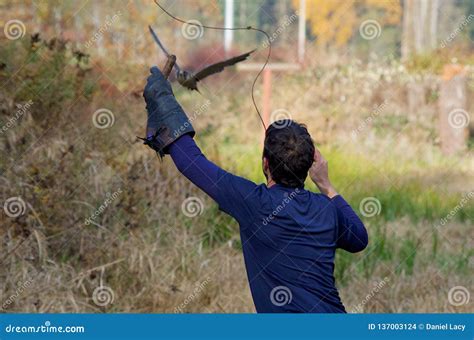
289, 235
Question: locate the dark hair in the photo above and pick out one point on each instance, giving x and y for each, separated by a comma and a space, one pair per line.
289, 150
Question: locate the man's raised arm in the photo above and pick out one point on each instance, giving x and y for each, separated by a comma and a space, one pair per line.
169, 131
191, 162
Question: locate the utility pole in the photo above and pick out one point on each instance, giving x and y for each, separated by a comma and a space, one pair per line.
229, 22
301, 30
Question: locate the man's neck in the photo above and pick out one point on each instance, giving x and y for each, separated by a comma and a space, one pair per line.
270, 183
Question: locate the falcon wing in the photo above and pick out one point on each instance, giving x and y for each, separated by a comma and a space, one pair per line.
218, 67
157, 40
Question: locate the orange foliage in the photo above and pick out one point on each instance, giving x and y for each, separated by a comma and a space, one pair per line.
336, 20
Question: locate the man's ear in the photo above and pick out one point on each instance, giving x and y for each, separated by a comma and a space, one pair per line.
265, 164
265, 167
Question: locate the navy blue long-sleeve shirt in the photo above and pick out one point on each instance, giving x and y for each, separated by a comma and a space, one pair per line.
289, 235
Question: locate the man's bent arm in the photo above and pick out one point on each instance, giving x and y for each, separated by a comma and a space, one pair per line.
352, 235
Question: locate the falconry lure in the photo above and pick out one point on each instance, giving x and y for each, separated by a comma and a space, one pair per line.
188, 79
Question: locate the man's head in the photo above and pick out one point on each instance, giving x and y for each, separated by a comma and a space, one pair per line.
287, 153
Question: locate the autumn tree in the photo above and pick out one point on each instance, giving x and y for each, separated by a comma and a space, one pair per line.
334, 22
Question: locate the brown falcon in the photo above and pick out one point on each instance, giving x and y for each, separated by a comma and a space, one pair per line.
189, 79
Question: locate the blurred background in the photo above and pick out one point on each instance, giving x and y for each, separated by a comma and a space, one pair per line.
93, 221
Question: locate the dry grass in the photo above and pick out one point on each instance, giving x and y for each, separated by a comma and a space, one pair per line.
149, 276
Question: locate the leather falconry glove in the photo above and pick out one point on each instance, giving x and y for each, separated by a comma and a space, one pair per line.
166, 119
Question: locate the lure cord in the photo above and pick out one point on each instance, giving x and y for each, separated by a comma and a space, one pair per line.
232, 29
